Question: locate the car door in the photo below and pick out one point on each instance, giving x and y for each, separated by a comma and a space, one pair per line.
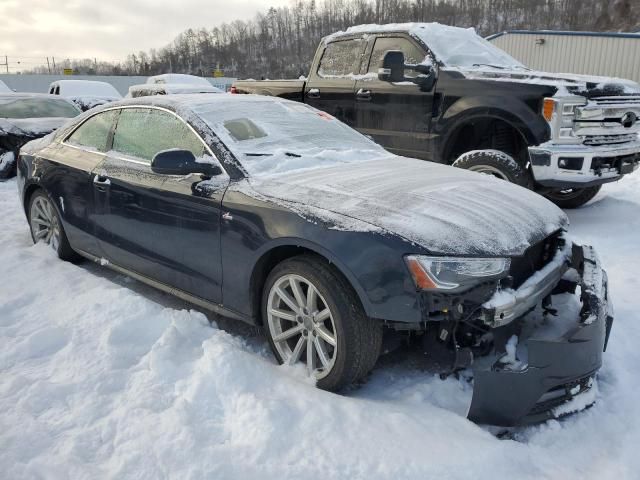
164, 227
396, 115
330, 87
69, 179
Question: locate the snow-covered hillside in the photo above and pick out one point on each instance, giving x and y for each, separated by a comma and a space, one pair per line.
101, 377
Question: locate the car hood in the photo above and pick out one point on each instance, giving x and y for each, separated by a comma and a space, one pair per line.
444, 209
583, 84
30, 127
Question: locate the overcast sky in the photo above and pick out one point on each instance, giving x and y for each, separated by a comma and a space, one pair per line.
109, 29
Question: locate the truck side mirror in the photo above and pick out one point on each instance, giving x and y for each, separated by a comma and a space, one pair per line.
392, 67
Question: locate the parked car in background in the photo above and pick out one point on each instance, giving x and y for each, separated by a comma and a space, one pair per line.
172, 84
85, 94
25, 117
147, 89
275, 213
444, 94
4, 88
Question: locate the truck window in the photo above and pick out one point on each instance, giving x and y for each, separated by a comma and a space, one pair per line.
341, 58
412, 53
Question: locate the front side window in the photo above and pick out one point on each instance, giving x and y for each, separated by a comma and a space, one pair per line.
143, 132
341, 59
37, 108
94, 133
412, 54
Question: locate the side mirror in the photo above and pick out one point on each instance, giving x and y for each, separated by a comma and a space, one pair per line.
392, 67
181, 162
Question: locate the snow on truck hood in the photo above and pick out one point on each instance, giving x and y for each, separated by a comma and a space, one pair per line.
444, 209
566, 80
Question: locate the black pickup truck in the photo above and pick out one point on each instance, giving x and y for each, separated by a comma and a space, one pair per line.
444, 94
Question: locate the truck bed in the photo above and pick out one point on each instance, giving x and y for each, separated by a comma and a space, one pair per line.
290, 89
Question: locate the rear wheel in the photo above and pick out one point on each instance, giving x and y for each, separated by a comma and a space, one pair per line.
46, 226
312, 315
572, 197
496, 163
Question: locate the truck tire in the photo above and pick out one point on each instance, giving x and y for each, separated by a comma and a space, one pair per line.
573, 197
496, 163
344, 343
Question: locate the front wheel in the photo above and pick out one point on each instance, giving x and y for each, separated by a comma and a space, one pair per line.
46, 226
497, 164
312, 315
572, 197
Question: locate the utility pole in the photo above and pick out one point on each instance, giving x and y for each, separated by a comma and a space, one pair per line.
53, 59
6, 63
95, 62
48, 66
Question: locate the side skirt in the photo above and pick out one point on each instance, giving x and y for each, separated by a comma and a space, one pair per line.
207, 305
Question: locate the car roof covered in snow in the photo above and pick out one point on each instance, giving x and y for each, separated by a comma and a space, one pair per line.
19, 95
72, 88
179, 78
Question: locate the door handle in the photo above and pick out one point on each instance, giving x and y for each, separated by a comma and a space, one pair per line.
313, 93
363, 95
101, 182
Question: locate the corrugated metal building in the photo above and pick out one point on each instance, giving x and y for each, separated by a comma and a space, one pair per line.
607, 54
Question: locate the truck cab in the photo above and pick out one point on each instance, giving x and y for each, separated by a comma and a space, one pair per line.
444, 94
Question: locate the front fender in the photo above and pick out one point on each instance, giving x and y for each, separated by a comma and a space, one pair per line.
515, 112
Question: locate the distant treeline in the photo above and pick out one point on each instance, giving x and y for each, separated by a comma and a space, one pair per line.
281, 42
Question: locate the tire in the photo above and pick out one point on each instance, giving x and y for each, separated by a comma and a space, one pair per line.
357, 338
45, 226
574, 197
496, 163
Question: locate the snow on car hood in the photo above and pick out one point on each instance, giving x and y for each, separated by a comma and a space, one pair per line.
566, 80
444, 209
30, 126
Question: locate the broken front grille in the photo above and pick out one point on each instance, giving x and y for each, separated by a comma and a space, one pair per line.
534, 258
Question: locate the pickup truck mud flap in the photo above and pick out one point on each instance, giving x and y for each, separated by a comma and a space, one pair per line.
558, 369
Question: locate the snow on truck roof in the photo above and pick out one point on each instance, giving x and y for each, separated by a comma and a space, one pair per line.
453, 46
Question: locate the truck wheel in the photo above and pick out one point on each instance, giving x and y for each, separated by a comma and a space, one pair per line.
572, 197
496, 163
312, 315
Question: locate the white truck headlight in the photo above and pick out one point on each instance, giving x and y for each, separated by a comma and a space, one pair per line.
448, 273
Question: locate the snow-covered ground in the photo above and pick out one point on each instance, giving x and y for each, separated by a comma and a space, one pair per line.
102, 377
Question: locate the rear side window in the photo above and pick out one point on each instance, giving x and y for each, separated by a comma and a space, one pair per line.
341, 59
94, 133
143, 132
412, 54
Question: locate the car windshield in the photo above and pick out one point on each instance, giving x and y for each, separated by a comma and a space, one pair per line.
36, 108
462, 47
273, 136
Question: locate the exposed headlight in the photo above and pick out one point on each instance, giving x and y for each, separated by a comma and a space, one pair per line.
448, 273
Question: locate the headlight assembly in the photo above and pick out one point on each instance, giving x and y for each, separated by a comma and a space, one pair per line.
448, 273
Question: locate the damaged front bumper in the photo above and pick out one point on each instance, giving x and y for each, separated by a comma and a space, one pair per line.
558, 368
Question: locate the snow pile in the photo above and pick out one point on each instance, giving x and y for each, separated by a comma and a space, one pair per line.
4, 88
101, 377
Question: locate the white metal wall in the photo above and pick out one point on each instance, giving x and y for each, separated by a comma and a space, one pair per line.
594, 55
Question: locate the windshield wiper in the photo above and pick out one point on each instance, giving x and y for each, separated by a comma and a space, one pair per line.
288, 154
488, 65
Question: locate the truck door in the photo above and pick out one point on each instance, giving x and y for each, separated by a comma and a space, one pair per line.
396, 115
332, 80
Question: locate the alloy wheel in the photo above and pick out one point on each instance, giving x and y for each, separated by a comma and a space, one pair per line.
44, 222
301, 325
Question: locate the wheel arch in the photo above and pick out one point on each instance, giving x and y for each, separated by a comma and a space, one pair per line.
275, 254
